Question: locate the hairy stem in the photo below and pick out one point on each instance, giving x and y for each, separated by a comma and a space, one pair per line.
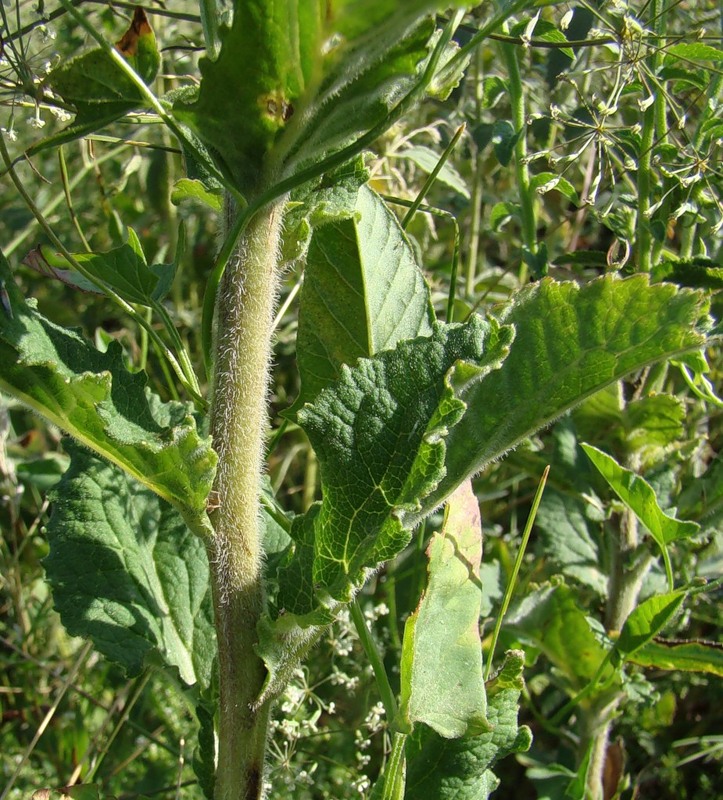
244, 321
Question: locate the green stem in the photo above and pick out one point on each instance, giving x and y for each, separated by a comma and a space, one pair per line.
651, 118
375, 659
432, 177
242, 344
516, 569
522, 172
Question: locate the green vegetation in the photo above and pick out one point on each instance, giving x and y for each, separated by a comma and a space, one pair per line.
301, 303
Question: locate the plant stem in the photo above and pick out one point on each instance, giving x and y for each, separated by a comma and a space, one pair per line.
643, 233
375, 658
522, 172
238, 426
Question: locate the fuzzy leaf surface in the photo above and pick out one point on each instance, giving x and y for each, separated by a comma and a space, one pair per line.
363, 293
570, 341
442, 683
379, 434
94, 398
127, 572
461, 769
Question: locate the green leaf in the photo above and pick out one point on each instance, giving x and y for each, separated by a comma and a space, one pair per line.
426, 159
379, 434
548, 181
124, 269
461, 769
695, 51
680, 656
570, 342
196, 191
645, 621
502, 136
93, 397
699, 273
127, 573
315, 77
551, 620
569, 542
544, 31
363, 293
441, 668
79, 791
501, 214
97, 87
639, 496
331, 198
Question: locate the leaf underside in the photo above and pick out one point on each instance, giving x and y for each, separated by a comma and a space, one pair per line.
94, 398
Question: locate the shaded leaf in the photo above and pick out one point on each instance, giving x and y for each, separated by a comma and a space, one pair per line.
97, 87
426, 159
645, 621
569, 542
551, 620
127, 573
680, 656
124, 269
639, 496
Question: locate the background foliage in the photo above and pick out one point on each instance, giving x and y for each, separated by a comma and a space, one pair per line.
618, 170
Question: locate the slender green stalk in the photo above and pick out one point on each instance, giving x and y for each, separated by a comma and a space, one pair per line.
395, 771
432, 177
69, 200
512, 582
643, 233
528, 214
476, 207
242, 345
375, 659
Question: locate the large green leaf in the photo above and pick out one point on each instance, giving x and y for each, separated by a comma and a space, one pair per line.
379, 434
639, 496
305, 77
127, 572
461, 769
363, 293
570, 342
441, 670
93, 397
